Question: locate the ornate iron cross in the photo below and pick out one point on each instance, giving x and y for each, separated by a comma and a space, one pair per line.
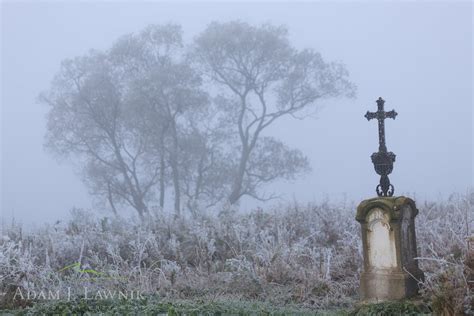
382, 160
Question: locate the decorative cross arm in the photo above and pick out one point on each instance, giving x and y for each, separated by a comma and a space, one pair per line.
383, 115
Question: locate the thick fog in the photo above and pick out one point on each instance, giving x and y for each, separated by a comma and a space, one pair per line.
417, 56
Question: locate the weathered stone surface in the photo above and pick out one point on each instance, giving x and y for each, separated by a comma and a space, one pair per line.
389, 246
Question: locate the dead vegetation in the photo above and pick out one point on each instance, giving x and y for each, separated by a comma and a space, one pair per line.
307, 255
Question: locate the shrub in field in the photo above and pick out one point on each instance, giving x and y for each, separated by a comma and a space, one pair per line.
444, 254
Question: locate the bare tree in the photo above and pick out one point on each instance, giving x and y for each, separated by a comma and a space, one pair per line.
162, 89
140, 120
124, 112
149, 62
89, 118
263, 78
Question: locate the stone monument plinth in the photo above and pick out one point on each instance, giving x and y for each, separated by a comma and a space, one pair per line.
389, 246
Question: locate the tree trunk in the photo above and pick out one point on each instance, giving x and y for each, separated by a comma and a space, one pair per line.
110, 198
137, 197
139, 206
177, 193
175, 170
236, 192
162, 180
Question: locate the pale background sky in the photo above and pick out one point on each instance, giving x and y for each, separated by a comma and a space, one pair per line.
417, 56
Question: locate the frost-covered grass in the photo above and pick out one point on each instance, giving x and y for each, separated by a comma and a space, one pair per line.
308, 256
156, 306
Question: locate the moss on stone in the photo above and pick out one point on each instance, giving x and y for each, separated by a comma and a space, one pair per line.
392, 205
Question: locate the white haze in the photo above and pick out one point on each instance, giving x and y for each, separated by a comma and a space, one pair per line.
417, 56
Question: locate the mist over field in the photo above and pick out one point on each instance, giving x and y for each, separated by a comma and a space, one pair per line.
209, 158
417, 56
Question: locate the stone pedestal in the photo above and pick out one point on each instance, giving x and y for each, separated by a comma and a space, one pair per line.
389, 245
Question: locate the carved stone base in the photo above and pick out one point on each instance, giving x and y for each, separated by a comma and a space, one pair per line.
389, 246
387, 286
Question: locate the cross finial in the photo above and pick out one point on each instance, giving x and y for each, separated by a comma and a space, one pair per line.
381, 115
383, 160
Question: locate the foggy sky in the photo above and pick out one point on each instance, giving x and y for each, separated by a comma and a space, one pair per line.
417, 56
